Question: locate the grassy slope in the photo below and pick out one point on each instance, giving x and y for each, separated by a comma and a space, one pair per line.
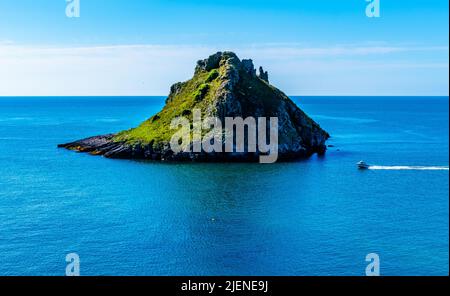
195, 93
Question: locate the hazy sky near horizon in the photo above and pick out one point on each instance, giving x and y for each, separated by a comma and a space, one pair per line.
141, 47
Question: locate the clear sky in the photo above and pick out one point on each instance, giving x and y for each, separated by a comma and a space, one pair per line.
141, 47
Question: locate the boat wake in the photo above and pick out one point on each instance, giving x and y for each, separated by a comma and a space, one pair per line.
413, 168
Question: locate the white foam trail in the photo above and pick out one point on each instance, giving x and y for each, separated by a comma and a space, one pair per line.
416, 168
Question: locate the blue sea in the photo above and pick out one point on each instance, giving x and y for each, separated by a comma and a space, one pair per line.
320, 216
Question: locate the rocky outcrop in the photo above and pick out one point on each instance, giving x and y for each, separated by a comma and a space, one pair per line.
264, 75
223, 86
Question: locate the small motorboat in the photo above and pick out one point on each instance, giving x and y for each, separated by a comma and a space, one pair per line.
362, 165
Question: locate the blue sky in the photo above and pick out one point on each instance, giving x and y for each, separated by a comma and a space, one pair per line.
141, 47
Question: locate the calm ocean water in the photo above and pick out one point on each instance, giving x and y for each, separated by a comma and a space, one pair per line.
316, 217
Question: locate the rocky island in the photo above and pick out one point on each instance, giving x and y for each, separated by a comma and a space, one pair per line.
223, 86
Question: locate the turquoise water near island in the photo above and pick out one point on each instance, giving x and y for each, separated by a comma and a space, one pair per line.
320, 216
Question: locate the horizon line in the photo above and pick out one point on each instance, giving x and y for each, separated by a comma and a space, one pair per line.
147, 96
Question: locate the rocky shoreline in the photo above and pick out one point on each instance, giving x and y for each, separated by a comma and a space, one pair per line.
105, 146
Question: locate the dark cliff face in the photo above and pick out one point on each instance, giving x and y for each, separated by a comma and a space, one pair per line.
222, 86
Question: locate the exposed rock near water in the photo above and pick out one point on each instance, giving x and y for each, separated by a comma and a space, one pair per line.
222, 86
